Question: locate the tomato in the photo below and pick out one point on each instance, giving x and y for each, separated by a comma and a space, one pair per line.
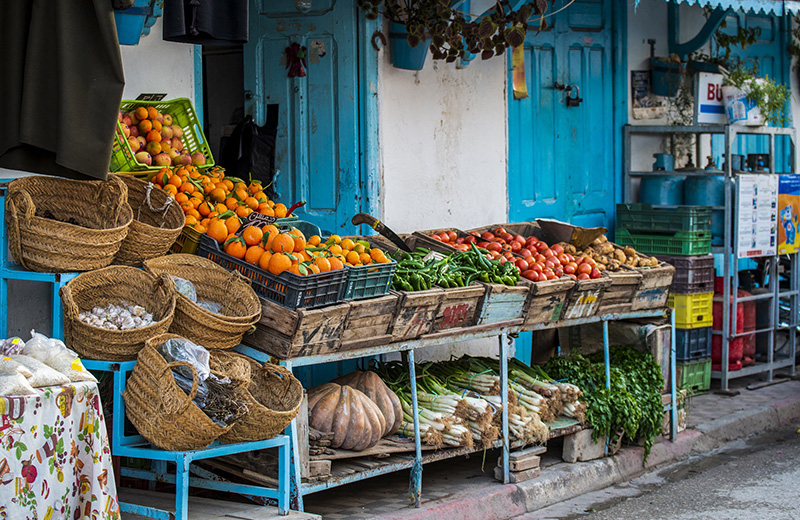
462, 247
531, 241
570, 258
520, 239
531, 275
525, 253
495, 255
460, 240
499, 240
570, 268
482, 244
548, 253
595, 273
550, 275
521, 263
557, 249
500, 230
493, 246
584, 268
559, 271
590, 262
549, 263
537, 267
508, 237
451, 236
470, 239
539, 257
503, 260
436, 236
516, 246
562, 259
541, 246
583, 276
487, 236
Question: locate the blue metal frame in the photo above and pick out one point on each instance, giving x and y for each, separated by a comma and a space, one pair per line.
136, 446
701, 38
9, 270
503, 331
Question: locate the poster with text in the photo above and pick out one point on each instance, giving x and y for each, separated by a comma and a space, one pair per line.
757, 201
788, 210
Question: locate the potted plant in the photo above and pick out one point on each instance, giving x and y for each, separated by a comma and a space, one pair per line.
752, 100
449, 33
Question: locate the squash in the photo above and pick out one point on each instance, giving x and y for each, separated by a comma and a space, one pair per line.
356, 422
373, 386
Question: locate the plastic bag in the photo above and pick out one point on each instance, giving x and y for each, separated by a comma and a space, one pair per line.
214, 307
11, 346
15, 384
9, 366
55, 354
186, 288
43, 375
180, 349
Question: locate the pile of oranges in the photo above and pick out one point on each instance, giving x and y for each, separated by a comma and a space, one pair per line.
277, 251
206, 196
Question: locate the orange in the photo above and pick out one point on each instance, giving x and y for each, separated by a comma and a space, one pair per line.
323, 263
236, 247
299, 269
263, 262
220, 208
191, 221
199, 227
171, 189
153, 135
282, 243
141, 113
280, 210
279, 263
175, 181
194, 213
252, 235
264, 209
255, 187
270, 232
243, 211
241, 194
181, 198
144, 127
218, 231
188, 187
335, 263
379, 256
348, 243
352, 257
305, 254
152, 113
365, 258
217, 195
231, 203
233, 223
205, 208
299, 240
336, 239
228, 184
336, 249
205, 222
253, 254
313, 268
314, 240
157, 125
251, 203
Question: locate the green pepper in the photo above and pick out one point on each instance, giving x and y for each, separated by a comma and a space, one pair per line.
509, 280
416, 282
459, 281
485, 277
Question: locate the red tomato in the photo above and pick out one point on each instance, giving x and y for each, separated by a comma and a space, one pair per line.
562, 259
584, 268
462, 247
549, 263
531, 241
503, 260
499, 240
494, 255
508, 237
525, 253
537, 267
470, 239
487, 236
570, 268
500, 230
570, 258
531, 275
541, 246
595, 274
521, 263
559, 271
520, 239
550, 275
482, 243
516, 246
436, 236
451, 236
494, 246
583, 276
460, 240
557, 249
539, 257
509, 255
590, 262
548, 253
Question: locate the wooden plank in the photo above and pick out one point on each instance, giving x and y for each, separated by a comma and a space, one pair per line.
384, 447
459, 307
301, 422
546, 300
654, 289
415, 313
521, 465
585, 298
369, 322
517, 476
317, 468
240, 472
533, 451
502, 303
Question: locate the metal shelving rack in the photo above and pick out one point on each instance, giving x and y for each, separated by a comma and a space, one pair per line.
731, 245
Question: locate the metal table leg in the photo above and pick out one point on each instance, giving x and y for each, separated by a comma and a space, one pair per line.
672, 380
504, 398
415, 485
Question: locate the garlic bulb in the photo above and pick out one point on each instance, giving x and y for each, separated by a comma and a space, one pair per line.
117, 317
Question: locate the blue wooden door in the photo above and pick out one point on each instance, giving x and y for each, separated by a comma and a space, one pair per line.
317, 149
769, 55
561, 159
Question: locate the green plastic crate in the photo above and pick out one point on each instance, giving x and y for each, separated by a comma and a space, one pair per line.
369, 281
644, 217
183, 115
684, 243
695, 377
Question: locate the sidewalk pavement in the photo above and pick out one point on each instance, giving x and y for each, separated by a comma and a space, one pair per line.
465, 489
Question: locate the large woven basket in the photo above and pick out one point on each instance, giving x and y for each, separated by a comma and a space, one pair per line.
241, 308
157, 222
160, 410
273, 399
115, 285
62, 225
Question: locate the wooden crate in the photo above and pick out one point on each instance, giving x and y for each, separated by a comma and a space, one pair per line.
424, 239
653, 292
618, 297
546, 300
415, 313
369, 322
459, 307
502, 303
525, 229
585, 297
286, 333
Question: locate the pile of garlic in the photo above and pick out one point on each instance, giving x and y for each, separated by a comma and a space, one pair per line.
117, 317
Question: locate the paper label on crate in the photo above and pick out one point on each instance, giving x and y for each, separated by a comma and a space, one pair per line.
259, 220
151, 97
77, 365
757, 197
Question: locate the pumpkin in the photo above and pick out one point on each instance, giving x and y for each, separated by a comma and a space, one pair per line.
356, 422
373, 386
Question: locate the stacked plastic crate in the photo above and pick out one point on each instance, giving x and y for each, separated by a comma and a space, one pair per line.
680, 236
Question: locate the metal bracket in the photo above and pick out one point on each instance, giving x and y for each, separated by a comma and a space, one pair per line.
673, 27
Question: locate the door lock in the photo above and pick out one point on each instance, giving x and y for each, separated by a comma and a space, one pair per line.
567, 90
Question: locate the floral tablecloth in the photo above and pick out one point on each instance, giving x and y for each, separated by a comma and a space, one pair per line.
55, 457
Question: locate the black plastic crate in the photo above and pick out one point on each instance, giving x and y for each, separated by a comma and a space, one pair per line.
692, 344
693, 274
644, 217
369, 281
287, 289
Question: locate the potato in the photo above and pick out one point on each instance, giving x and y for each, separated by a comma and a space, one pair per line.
605, 248
629, 251
619, 255
569, 249
613, 265
600, 267
603, 259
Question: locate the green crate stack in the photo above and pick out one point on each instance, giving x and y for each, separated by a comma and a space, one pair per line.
677, 233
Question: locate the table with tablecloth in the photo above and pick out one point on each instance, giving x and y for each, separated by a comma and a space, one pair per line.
55, 457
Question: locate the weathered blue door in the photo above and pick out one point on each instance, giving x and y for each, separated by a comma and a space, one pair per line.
561, 159
317, 149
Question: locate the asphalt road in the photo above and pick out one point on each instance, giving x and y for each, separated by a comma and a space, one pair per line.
748, 480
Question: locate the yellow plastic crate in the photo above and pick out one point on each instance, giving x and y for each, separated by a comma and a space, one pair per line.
692, 311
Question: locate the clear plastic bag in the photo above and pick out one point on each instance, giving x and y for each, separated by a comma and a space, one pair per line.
55, 354
11, 346
180, 349
9, 366
43, 375
214, 307
185, 287
15, 384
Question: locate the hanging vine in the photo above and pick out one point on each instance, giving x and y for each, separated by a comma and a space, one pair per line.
455, 33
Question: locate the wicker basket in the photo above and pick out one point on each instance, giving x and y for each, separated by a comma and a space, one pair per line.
114, 285
241, 306
157, 222
98, 209
160, 410
273, 400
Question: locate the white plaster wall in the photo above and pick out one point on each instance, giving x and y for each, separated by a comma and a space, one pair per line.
443, 144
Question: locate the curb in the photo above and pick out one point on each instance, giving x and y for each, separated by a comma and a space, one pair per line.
566, 481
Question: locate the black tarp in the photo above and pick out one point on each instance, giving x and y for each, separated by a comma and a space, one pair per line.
206, 22
61, 84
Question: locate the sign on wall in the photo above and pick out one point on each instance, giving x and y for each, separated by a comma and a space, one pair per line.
709, 108
788, 212
757, 197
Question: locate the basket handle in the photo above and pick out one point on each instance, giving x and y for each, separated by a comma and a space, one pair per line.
113, 192
168, 403
280, 372
19, 205
67, 303
162, 210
